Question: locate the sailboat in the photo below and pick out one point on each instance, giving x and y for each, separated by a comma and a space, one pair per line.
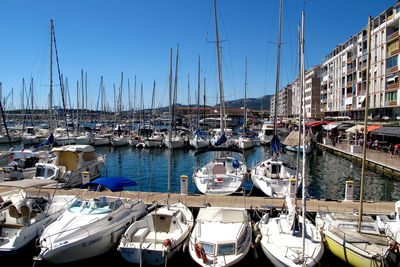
156, 238
291, 239
355, 238
197, 141
272, 176
225, 174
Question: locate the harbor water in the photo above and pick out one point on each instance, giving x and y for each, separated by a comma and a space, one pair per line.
326, 176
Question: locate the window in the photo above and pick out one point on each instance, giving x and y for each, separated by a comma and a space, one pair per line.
392, 96
392, 46
225, 249
391, 62
208, 248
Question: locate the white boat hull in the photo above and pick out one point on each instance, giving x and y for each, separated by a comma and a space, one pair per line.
101, 141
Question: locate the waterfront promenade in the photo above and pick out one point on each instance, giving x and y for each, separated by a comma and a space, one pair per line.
376, 159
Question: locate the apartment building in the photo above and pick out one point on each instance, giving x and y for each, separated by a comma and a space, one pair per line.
343, 72
312, 94
284, 103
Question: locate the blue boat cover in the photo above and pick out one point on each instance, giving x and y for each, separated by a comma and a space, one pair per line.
49, 141
235, 163
275, 143
221, 140
115, 184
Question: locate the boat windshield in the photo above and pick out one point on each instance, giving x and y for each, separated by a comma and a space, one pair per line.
208, 248
94, 206
225, 249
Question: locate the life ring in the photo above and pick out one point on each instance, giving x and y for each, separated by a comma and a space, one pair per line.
167, 242
139, 138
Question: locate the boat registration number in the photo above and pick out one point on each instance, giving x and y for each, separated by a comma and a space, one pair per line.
91, 242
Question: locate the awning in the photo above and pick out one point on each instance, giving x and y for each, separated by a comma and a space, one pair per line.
361, 99
373, 127
316, 123
330, 126
354, 129
393, 131
345, 126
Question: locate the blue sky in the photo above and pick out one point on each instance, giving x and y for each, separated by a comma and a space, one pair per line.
105, 38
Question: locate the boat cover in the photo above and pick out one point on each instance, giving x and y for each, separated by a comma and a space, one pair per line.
115, 184
222, 215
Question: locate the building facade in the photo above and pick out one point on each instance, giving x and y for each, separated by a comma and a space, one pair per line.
343, 72
284, 103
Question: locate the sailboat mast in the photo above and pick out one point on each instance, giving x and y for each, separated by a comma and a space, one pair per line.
244, 102
175, 87
278, 69
170, 123
221, 85
198, 97
303, 171
360, 212
51, 77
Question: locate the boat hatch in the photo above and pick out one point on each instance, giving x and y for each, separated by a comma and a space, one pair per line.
162, 222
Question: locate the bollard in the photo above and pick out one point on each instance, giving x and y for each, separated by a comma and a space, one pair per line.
292, 188
184, 185
2, 175
349, 193
85, 177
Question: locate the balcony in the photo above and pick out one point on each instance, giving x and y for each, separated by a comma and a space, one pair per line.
393, 86
392, 70
390, 103
349, 84
393, 53
392, 36
349, 60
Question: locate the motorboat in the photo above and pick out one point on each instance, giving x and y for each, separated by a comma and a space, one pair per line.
22, 164
244, 142
101, 139
294, 148
119, 140
156, 238
155, 140
177, 140
365, 248
61, 137
220, 237
67, 163
266, 133
282, 241
85, 139
221, 176
272, 177
90, 227
27, 213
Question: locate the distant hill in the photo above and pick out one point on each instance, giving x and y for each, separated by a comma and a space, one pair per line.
261, 103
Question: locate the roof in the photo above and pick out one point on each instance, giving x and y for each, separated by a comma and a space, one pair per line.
222, 215
393, 131
27, 183
115, 184
74, 148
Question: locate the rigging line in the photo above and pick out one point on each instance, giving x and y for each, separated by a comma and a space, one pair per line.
61, 82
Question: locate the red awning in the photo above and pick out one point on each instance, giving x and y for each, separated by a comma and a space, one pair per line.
373, 127
316, 123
